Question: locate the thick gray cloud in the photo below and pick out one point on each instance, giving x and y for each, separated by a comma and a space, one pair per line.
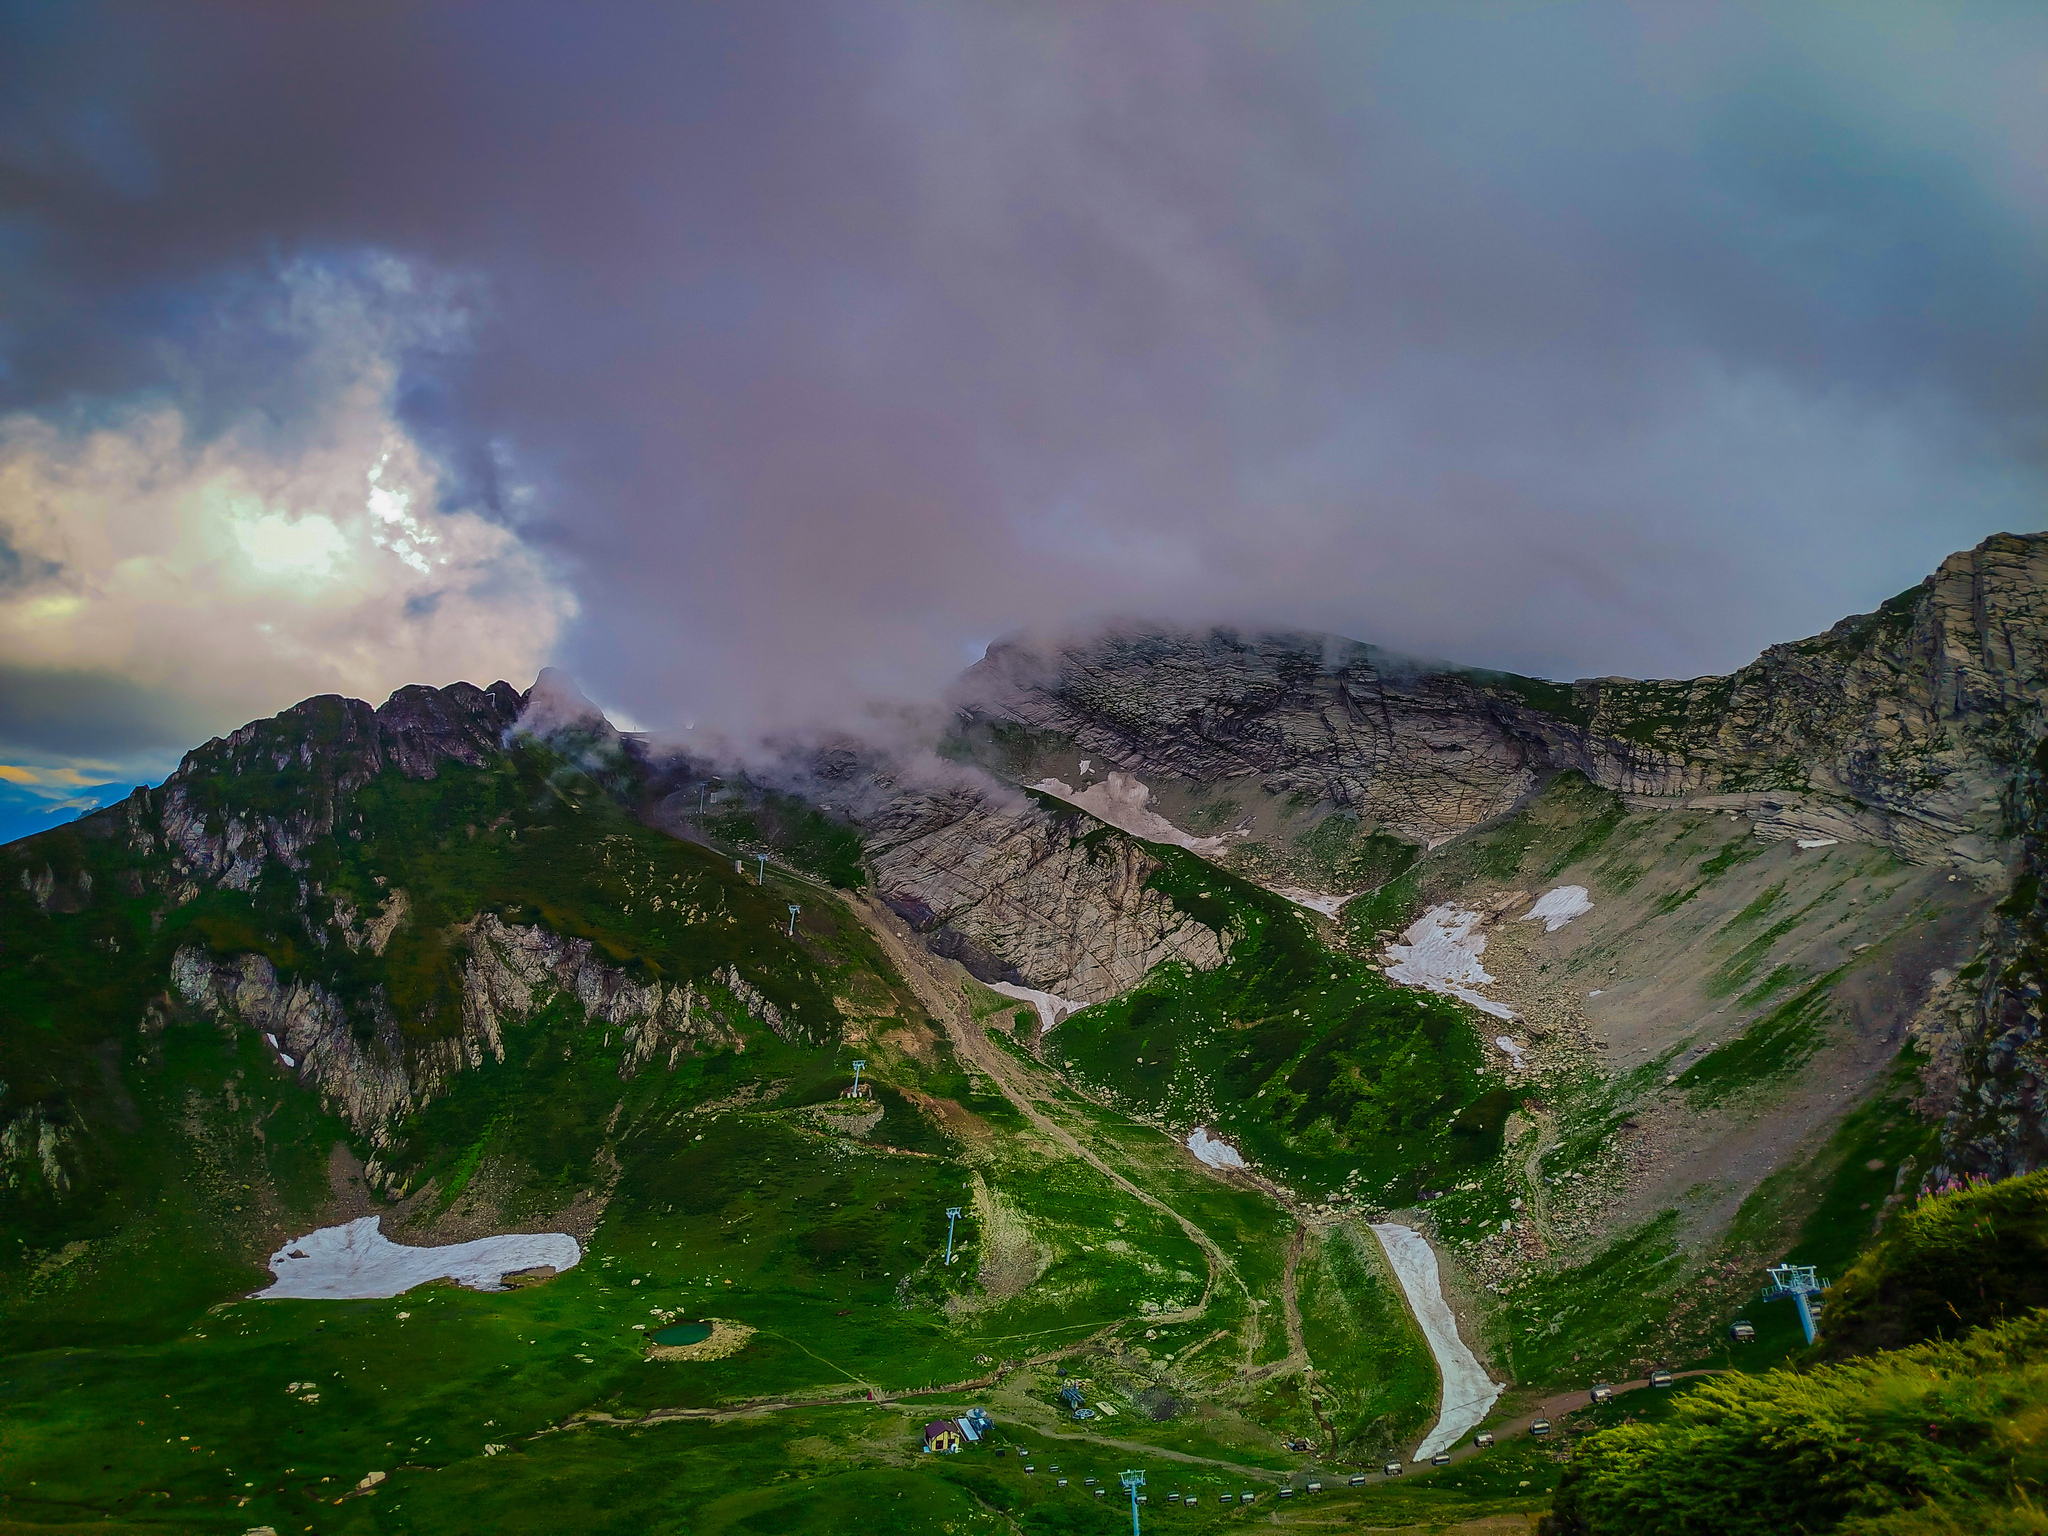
823, 343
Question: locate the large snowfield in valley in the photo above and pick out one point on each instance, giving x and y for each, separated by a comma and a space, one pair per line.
358, 1262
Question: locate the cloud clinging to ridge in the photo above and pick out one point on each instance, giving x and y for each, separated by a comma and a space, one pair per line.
834, 340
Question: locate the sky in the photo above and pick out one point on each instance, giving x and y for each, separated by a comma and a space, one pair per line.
752, 363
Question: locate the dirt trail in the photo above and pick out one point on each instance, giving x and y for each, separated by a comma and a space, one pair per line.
971, 1041
1296, 1358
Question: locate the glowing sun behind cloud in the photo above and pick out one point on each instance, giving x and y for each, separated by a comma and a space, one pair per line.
240, 571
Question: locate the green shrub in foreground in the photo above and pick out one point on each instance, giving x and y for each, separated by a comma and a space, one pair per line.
1949, 1264
1943, 1436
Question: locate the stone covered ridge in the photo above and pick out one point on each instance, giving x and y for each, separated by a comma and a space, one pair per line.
1901, 727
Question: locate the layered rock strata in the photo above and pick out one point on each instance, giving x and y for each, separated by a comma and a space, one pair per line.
1020, 893
1899, 727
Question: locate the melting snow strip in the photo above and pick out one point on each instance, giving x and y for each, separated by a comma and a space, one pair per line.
1122, 802
1468, 1392
1442, 955
1329, 906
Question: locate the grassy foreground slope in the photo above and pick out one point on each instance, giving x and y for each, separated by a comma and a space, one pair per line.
1946, 1434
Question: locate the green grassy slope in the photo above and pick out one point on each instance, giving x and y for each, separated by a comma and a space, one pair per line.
1314, 1065
1944, 1434
133, 1096
141, 1388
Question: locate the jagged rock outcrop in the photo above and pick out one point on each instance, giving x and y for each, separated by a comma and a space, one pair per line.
32, 1150
511, 970
370, 1082
269, 789
1020, 893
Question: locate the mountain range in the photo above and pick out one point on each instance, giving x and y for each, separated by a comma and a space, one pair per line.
1110, 1036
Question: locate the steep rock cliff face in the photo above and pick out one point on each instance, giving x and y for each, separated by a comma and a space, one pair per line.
509, 973
1899, 727
1902, 727
1426, 754
1021, 893
1983, 1028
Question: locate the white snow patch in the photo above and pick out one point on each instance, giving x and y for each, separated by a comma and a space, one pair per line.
1122, 801
1558, 907
1051, 1008
1084, 765
286, 1059
1512, 1046
1329, 906
357, 1261
1818, 842
1468, 1392
1442, 955
1208, 1149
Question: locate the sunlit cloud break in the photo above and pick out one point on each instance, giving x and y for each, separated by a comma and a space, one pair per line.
258, 563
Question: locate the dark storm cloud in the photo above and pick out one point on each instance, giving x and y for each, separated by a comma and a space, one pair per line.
833, 341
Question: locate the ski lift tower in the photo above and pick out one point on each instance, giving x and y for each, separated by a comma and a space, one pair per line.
1799, 1282
952, 1215
856, 1077
761, 874
1132, 1482
793, 910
